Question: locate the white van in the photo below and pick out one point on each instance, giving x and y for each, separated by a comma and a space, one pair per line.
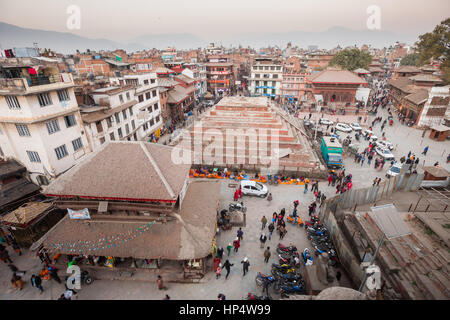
253, 188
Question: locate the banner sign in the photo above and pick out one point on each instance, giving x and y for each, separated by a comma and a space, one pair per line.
79, 214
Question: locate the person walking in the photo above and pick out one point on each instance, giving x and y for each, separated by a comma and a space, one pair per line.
220, 252
36, 281
263, 222
160, 283
4, 255
240, 234
218, 271
54, 274
330, 177
236, 244
267, 255
262, 240
227, 266
269, 198
236, 195
245, 265
274, 217
229, 247
271, 227
283, 232
425, 151
306, 186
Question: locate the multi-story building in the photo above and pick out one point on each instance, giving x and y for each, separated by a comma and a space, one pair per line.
128, 111
293, 86
40, 122
220, 75
266, 78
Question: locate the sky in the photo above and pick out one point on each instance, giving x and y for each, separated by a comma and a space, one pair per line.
127, 19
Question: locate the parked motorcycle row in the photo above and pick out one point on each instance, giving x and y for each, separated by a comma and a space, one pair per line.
320, 241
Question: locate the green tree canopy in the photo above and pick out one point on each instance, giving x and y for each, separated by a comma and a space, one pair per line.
410, 60
436, 46
351, 59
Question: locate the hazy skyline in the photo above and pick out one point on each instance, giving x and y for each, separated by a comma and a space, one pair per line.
124, 20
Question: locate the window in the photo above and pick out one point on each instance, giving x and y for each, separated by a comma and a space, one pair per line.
42, 180
61, 152
127, 128
124, 112
275, 76
109, 122
141, 98
131, 111
13, 103
77, 144
150, 109
156, 107
147, 96
44, 99
153, 80
70, 121
34, 156
157, 119
133, 124
53, 126
63, 95
121, 98
99, 126
119, 131
116, 115
102, 140
152, 122
145, 81
111, 136
128, 96
154, 93
23, 130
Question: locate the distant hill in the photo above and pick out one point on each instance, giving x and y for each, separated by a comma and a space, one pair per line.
65, 42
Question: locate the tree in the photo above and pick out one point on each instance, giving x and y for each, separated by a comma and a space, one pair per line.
410, 60
351, 59
436, 46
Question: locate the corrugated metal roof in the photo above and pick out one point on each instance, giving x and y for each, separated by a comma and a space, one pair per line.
389, 221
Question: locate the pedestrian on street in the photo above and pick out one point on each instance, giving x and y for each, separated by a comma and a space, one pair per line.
220, 252
229, 247
245, 265
216, 263
269, 198
16, 247
54, 274
330, 177
236, 244
267, 255
221, 296
4, 255
263, 222
283, 232
160, 283
306, 187
262, 240
218, 271
271, 227
240, 192
425, 151
236, 195
274, 217
240, 234
227, 265
362, 160
36, 281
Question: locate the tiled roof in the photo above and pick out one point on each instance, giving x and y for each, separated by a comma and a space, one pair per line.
124, 170
336, 76
418, 97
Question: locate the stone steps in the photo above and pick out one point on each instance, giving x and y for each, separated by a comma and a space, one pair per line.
430, 290
442, 282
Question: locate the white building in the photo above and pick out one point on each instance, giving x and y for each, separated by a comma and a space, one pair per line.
197, 72
40, 122
436, 110
266, 78
131, 110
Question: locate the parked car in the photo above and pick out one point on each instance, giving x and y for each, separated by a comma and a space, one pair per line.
385, 153
394, 170
385, 145
325, 121
343, 127
253, 188
373, 138
355, 126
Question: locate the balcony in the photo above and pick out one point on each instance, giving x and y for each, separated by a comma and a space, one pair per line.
35, 84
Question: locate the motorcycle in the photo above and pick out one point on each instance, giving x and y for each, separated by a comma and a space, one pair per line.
285, 290
291, 250
238, 206
260, 278
279, 270
251, 296
307, 257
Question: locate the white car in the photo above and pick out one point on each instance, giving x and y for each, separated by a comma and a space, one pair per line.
355, 126
343, 127
325, 121
367, 132
373, 138
385, 145
394, 170
253, 188
385, 153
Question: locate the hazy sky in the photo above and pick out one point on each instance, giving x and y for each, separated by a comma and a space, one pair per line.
127, 19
